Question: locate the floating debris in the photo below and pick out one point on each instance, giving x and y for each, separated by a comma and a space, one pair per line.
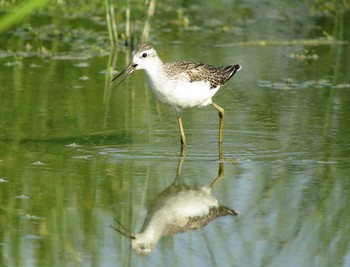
74, 145
31, 217
22, 197
82, 65
342, 86
66, 56
326, 162
38, 163
303, 42
303, 57
33, 65
82, 157
287, 84
280, 85
13, 63
84, 78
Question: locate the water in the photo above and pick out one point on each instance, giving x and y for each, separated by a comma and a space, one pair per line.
76, 155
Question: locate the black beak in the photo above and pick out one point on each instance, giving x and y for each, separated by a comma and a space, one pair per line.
128, 70
122, 230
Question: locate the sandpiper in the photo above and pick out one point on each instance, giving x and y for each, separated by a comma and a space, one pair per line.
177, 209
181, 84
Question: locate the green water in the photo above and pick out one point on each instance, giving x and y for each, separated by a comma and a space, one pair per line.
77, 154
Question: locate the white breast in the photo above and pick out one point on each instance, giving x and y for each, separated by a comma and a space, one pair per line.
180, 93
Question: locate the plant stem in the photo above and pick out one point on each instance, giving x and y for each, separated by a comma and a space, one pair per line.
147, 26
127, 23
112, 27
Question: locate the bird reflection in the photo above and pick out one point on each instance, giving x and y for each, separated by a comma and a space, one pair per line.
177, 209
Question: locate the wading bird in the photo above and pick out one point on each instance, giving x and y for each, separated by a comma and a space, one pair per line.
180, 84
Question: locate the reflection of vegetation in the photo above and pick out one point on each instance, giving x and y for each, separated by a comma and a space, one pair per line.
329, 8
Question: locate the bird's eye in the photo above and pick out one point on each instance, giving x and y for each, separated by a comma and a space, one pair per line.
144, 55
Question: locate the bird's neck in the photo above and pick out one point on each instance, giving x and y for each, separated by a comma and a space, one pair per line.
152, 230
156, 74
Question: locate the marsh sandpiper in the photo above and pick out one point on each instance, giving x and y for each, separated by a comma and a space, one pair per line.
180, 84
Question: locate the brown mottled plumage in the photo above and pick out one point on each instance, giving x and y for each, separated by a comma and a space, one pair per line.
201, 72
142, 47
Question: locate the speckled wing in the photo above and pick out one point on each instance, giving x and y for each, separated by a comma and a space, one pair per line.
201, 72
196, 222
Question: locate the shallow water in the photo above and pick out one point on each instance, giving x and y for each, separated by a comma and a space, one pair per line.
76, 154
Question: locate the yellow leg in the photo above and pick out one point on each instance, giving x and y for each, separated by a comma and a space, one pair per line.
181, 161
181, 128
179, 166
220, 152
221, 116
183, 150
182, 132
221, 173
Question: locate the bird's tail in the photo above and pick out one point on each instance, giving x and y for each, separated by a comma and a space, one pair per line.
232, 70
224, 211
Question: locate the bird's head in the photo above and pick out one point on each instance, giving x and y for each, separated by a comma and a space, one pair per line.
143, 57
142, 244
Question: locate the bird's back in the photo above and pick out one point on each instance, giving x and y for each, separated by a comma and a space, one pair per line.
193, 72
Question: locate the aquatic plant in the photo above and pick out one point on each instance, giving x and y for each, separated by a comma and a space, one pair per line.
117, 15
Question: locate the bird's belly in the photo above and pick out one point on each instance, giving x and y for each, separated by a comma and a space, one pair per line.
185, 94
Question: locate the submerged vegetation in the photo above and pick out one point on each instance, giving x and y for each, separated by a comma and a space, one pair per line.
127, 22
117, 16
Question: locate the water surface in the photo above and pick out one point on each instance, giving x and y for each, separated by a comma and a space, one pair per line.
76, 154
